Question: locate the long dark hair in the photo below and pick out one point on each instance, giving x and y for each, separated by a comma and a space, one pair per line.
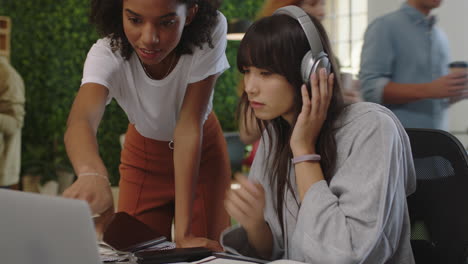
106, 15
278, 44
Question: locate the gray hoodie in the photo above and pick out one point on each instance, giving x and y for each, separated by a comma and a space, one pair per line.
361, 216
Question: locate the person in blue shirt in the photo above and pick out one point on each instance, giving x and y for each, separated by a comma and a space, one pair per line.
404, 65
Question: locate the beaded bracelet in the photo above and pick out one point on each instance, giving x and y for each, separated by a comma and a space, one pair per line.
94, 174
308, 157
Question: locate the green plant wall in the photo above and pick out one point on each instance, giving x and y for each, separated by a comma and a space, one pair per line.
50, 40
226, 95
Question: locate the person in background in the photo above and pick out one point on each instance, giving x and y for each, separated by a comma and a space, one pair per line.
404, 66
160, 60
247, 129
329, 180
315, 8
11, 122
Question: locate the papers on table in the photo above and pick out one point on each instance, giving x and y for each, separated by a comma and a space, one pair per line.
108, 254
215, 260
162, 246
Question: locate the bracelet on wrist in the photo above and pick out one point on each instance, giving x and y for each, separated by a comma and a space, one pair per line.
308, 157
84, 174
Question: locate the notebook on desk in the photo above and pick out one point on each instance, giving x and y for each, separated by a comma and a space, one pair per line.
43, 229
125, 233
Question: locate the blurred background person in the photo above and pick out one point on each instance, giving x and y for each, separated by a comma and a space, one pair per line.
404, 65
11, 122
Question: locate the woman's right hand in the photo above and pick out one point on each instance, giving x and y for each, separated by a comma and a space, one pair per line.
313, 113
246, 204
93, 189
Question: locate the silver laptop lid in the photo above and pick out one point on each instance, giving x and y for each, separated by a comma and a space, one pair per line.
43, 229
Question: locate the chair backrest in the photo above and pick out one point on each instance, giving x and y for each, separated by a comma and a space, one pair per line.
236, 150
439, 207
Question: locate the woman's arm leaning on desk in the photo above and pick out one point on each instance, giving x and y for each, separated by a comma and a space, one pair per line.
82, 149
188, 137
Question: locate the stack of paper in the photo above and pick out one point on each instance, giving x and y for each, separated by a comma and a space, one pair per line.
108, 254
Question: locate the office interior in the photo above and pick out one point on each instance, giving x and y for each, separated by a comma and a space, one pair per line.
45, 167
42, 140
450, 17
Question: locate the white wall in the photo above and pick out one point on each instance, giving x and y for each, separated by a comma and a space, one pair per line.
453, 19
378, 8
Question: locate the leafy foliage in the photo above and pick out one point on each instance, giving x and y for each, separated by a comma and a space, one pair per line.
50, 40
226, 95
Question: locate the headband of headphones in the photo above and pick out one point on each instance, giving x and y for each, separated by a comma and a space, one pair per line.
307, 25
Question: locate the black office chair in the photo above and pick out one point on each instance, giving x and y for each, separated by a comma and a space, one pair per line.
236, 150
439, 207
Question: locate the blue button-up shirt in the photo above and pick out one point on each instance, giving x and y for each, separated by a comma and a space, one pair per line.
405, 47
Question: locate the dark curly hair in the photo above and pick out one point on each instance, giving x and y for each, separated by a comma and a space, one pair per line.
106, 15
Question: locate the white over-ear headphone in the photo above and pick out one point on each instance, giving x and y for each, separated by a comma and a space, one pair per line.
316, 58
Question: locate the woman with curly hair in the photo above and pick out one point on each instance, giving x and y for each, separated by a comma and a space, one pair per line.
159, 59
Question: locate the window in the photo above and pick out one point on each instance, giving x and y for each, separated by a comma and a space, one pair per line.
346, 23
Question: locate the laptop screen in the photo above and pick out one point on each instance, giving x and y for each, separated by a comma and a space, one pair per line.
36, 228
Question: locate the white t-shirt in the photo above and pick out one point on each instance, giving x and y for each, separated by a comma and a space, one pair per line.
153, 106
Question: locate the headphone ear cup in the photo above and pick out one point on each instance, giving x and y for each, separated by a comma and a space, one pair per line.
324, 62
307, 65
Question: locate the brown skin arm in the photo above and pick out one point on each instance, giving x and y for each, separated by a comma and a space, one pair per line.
448, 86
82, 148
399, 93
188, 137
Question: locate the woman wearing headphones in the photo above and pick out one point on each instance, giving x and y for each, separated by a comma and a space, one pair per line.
329, 181
248, 132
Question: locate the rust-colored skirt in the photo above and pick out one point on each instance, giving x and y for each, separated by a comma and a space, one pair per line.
147, 188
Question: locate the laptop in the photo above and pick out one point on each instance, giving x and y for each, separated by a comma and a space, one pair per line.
36, 229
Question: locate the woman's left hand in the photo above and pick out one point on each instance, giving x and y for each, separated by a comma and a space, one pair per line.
313, 113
